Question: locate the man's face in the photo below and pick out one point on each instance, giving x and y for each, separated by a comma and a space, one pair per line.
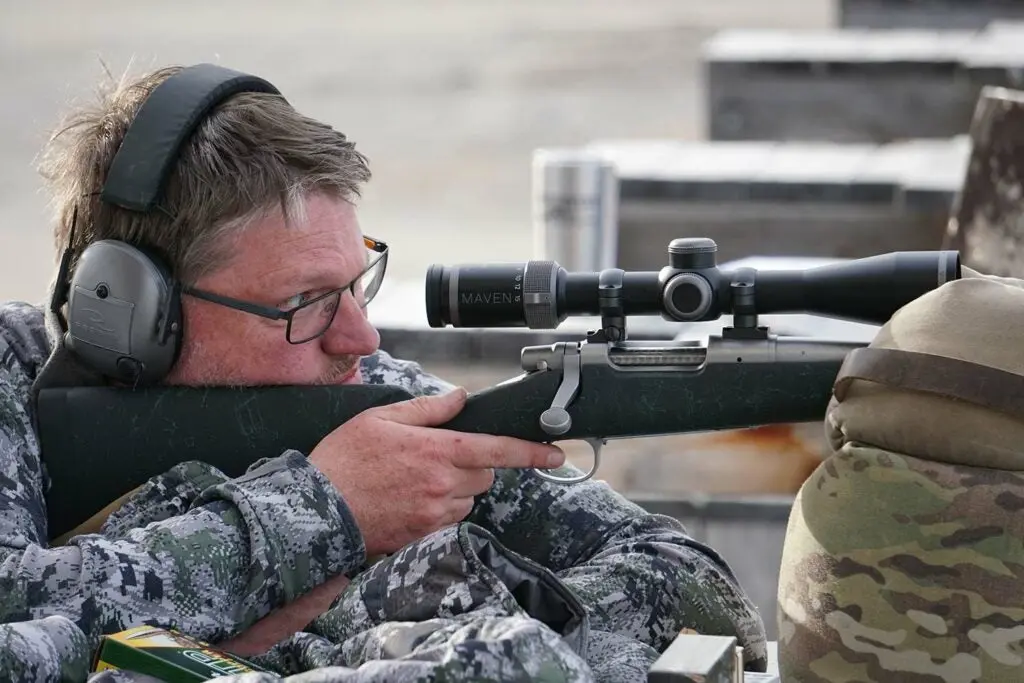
280, 265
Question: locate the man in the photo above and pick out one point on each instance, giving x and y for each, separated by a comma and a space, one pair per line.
259, 215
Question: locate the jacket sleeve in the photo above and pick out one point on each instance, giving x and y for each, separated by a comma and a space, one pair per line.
641, 576
49, 650
242, 548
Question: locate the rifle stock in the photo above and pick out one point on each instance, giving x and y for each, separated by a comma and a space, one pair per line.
99, 442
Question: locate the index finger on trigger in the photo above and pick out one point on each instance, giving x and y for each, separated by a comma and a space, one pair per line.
481, 451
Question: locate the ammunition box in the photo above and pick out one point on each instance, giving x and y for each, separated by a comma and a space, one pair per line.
167, 655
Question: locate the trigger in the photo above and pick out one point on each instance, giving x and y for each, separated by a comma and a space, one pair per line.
595, 445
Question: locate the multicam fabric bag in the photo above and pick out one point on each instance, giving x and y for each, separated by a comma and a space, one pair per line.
904, 555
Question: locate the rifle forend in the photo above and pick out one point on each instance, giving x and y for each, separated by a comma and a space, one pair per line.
603, 387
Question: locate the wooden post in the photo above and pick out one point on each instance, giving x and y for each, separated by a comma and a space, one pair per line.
987, 220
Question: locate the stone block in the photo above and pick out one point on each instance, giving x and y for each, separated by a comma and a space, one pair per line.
854, 85
768, 198
940, 14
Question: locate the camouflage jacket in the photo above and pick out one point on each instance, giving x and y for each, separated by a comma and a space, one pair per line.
540, 582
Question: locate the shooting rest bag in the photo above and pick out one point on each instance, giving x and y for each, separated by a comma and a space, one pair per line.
904, 554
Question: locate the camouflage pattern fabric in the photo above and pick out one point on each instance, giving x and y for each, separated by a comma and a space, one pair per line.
455, 605
47, 649
904, 554
254, 543
121, 676
207, 555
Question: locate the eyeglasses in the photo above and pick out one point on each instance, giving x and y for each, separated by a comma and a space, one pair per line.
312, 318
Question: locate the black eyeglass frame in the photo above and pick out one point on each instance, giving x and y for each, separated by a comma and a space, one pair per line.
272, 313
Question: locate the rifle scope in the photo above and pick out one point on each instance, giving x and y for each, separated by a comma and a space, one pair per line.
692, 288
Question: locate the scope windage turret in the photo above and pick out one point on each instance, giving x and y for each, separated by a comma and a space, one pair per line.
692, 288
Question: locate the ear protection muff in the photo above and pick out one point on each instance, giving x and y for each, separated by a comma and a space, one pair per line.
124, 316
124, 313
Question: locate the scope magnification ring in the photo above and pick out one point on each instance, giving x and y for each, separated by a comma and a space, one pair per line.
540, 301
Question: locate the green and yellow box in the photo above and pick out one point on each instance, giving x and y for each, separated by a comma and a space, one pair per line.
168, 655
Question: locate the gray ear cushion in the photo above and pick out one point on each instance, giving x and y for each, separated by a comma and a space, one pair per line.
120, 301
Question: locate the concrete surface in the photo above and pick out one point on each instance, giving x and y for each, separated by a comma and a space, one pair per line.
854, 85
889, 14
772, 198
448, 98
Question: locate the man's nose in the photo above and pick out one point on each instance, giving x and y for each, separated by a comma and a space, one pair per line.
351, 333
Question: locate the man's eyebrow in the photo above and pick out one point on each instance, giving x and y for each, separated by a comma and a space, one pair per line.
301, 282
314, 279
307, 279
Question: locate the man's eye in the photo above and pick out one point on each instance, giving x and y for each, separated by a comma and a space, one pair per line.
297, 300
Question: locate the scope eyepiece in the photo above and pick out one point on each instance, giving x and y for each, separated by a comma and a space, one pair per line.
502, 295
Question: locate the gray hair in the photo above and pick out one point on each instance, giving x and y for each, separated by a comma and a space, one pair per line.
254, 154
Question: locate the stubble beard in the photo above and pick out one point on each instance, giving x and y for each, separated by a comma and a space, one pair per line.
204, 371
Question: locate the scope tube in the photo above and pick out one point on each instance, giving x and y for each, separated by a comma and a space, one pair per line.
541, 294
535, 294
869, 289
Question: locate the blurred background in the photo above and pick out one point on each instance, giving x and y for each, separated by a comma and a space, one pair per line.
448, 98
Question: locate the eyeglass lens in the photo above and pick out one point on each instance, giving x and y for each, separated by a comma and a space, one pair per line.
313, 320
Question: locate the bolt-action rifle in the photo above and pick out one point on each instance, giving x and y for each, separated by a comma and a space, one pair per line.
100, 442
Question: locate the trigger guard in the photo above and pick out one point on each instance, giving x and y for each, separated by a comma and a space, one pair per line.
596, 445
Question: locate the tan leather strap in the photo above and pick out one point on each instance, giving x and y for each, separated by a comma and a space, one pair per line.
960, 380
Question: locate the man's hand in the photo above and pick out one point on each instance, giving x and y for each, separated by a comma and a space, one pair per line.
403, 478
